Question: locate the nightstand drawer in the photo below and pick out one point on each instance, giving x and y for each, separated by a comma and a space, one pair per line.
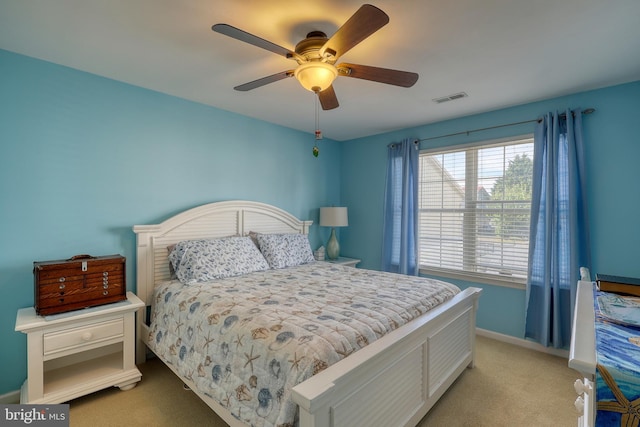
83, 336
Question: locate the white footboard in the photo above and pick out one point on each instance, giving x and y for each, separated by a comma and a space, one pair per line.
398, 378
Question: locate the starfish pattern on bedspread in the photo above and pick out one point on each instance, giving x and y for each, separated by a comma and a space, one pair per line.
630, 410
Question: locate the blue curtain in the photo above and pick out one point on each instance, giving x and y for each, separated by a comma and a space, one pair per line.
400, 222
559, 236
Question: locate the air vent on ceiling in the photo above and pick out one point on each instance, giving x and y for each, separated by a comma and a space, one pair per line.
450, 97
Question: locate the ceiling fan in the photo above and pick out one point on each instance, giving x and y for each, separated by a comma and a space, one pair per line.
317, 54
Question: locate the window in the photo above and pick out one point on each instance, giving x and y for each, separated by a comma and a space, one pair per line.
475, 208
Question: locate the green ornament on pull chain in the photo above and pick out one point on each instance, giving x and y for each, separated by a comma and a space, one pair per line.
316, 150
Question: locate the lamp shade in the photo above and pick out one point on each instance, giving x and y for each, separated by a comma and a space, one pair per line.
315, 76
334, 217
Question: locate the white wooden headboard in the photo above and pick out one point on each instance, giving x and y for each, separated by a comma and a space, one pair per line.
220, 219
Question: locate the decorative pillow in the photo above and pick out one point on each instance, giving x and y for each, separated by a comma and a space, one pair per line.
254, 238
285, 250
202, 260
172, 270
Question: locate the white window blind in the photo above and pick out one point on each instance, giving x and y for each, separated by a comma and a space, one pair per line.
474, 211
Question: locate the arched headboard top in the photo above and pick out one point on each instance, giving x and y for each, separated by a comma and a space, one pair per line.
219, 219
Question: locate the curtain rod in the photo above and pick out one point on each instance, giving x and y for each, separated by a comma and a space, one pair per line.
586, 111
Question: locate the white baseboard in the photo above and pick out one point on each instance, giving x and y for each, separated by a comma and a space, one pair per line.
11, 397
522, 343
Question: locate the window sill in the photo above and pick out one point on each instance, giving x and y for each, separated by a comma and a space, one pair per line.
507, 282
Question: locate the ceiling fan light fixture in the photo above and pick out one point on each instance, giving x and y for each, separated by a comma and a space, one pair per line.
316, 76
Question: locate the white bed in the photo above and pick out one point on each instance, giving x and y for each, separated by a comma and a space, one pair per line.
394, 380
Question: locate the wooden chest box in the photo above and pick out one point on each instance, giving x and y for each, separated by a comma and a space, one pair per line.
78, 282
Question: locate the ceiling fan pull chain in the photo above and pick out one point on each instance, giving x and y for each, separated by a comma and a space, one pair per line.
318, 132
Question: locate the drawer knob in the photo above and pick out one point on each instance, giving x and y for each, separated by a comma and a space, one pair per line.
62, 286
579, 404
105, 292
582, 387
87, 336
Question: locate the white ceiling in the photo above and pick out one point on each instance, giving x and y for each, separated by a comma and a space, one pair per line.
500, 52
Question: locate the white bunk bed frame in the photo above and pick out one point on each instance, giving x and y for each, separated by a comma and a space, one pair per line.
393, 381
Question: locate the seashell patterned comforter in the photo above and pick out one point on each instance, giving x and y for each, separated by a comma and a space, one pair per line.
246, 341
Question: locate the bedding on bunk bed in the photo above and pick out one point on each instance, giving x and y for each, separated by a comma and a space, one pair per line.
246, 340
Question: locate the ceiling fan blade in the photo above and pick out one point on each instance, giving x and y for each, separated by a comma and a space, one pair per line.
366, 21
264, 81
328, 99
376, 74
243, 36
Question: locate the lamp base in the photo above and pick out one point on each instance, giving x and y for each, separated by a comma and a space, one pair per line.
333, 247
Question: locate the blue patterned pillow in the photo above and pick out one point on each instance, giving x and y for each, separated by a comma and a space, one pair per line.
285, 250
202, 260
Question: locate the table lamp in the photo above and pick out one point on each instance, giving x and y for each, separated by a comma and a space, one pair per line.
333, 217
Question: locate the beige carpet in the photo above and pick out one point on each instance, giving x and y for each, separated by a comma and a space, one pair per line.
510, 386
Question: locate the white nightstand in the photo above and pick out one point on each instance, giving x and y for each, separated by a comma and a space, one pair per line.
351, 262
79, 352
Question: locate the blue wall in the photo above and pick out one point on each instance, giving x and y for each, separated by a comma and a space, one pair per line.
612, 156
84, 158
